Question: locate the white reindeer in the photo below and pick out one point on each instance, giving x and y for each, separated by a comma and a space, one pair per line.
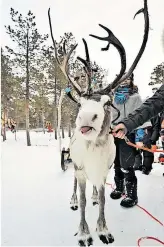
92, 146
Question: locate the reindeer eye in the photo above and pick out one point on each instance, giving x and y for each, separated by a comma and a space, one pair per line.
79, 105
94, 117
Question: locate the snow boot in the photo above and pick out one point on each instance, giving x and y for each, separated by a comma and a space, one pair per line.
131, 198
146, 171
147, 163
138, 168
119, 190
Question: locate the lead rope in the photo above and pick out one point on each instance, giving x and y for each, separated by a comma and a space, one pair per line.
138, 147
143, 148
149, 214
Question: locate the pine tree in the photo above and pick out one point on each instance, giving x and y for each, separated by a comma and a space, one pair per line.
6, 87
157, 76
28, 44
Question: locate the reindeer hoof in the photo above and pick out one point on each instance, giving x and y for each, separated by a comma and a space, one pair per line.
106, 238
95, 203
74, 202
74, 208
87, 242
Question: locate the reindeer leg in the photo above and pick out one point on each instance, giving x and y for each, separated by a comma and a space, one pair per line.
74, 201
95, 196
102, 229
84, 237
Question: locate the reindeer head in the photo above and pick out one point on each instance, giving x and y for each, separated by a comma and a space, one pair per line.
94, 116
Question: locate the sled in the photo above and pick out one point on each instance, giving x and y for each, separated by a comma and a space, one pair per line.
65, 158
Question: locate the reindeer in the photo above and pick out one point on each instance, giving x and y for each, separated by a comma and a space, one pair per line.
92, 147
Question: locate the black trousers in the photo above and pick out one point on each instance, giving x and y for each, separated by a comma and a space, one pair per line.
125, 158
146, 161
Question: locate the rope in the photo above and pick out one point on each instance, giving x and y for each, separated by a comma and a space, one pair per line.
143, 148
155, 239
138, 147
149, 214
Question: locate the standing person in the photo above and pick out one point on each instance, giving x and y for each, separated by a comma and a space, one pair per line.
149, 109
126, 100
149, 140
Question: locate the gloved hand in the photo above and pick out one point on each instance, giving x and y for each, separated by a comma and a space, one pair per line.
139, 144
153, 147
119, 131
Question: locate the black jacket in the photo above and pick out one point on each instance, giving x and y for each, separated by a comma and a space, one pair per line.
161, 117
155, 129
153, 132
149, 109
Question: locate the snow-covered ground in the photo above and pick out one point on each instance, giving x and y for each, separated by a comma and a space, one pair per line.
36, 193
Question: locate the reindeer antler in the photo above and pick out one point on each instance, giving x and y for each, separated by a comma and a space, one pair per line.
145, 39
114, 41
66, 56
87, 67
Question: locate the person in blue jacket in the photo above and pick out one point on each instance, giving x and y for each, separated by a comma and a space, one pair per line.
151, 135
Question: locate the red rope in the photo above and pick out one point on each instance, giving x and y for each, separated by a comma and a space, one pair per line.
111, 185
148, 213
144, 148
152, 238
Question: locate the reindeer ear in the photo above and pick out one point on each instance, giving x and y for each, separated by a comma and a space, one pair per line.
104, 99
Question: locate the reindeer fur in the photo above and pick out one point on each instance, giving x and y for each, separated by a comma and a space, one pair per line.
93, 155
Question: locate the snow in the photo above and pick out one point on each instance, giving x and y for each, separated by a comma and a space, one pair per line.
36, 193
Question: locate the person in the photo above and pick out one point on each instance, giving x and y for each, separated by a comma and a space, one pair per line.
150, 138
149, 109
126, 99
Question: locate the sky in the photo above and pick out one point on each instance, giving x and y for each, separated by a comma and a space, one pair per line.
81, 17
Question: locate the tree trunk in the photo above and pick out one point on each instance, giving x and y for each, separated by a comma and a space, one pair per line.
69, 129
16, 117
55, 122
4, 133
63, 132
59, 116
15, 135
16, 120
55, 111
43, 121
4, 127
37, 121
27, 124
27, 93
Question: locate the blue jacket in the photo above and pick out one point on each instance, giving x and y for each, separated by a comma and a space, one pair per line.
139, 135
